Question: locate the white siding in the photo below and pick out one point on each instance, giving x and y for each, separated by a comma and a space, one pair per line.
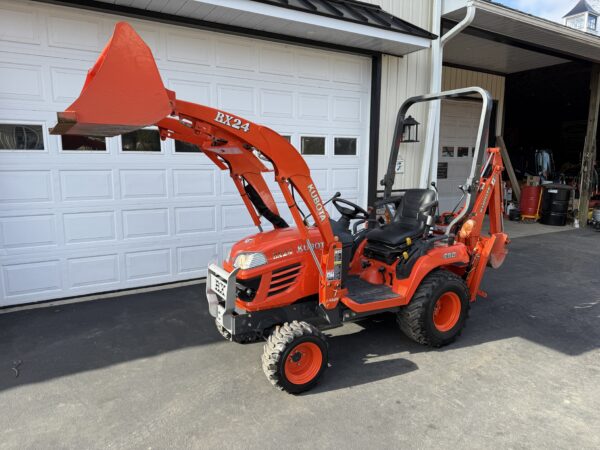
453, 78
403, 78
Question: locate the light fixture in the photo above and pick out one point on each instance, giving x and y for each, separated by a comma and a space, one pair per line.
410, 130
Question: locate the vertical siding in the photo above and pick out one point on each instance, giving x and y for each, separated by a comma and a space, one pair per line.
403, 78
453, 78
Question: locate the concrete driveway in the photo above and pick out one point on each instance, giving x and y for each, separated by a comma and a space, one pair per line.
150, 371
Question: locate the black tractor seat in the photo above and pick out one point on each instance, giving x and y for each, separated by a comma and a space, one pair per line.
410, 221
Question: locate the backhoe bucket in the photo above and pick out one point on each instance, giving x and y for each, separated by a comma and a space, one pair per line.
122, 92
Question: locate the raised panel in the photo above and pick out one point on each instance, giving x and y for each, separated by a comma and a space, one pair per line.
143, 183
345, 179
236, 99
191, 91
21, 81
319, 176
25, 186
31, 277
89, 226
276, 61
18, 26
277, 103
195, 219
313, 106
187, 49
347, 109
94, 270
315, 66
235, 217
66, 83
236, 55
79, 34
86, 184
347, 71
227, 185
148, 264
188, 182
28, 231
195, 258
145, 223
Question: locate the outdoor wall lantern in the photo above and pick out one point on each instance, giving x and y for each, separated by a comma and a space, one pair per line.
410, 131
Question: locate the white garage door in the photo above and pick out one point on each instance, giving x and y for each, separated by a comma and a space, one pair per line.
139, 212
458, 132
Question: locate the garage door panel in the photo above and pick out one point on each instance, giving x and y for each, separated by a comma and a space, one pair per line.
193, 183
80, 185
28, 231
143, 183
25, 186
19, 24
99, 221
138, 223
34, 277
195, 219
93, 271
89, 226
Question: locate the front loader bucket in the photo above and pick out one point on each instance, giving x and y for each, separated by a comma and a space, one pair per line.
122, 92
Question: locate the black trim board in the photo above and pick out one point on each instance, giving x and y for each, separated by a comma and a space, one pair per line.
507, 40
172, 19
375, 110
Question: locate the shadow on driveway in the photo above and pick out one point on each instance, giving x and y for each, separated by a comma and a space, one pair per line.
548, 292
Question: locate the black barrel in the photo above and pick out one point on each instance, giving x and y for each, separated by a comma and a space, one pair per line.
555, 204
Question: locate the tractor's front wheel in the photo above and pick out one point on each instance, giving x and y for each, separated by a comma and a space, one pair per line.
438, 310
295, 357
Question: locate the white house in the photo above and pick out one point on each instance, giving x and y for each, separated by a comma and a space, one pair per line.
584, 16
88, 216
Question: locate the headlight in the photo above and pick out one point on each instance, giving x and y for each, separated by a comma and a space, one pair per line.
247, 261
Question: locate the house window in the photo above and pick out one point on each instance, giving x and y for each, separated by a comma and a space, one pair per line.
89, 143
447, 152
592, 21
141, 141
463, 152
344, 146
442, 171
576, 22
312, 145
186, 147
21, 137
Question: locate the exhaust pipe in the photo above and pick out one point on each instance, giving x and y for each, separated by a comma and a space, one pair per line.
123, 91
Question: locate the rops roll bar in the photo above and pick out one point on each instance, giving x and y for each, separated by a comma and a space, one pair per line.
480, 145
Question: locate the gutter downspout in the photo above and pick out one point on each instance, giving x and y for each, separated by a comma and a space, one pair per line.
432, 140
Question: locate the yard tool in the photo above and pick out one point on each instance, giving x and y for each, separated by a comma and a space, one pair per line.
290, 281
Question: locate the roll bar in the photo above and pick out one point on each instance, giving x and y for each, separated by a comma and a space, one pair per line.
480, 145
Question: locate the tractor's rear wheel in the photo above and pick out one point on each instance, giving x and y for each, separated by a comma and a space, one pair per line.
295, 356
437, 313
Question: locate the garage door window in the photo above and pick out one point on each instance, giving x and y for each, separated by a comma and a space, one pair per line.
141, 141
311, 145
344, 146
186, 147
21, 137
88, 143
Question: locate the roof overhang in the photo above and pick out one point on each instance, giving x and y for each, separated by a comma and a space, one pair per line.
504, 40
267, 17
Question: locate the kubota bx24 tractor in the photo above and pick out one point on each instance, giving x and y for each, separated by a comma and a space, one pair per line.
289, 282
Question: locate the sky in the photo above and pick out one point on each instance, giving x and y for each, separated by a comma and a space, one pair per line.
548, 9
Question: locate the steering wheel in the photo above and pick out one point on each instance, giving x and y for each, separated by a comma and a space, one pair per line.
354, 212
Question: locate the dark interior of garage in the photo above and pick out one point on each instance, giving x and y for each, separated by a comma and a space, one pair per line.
548, 109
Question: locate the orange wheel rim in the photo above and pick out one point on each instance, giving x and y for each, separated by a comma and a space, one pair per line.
446, 311
303, 363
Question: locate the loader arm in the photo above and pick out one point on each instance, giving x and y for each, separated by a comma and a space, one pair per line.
124, 92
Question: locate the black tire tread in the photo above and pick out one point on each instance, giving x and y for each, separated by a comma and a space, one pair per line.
412, 318
279, 340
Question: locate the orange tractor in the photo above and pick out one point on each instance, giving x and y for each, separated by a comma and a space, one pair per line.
288, 283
